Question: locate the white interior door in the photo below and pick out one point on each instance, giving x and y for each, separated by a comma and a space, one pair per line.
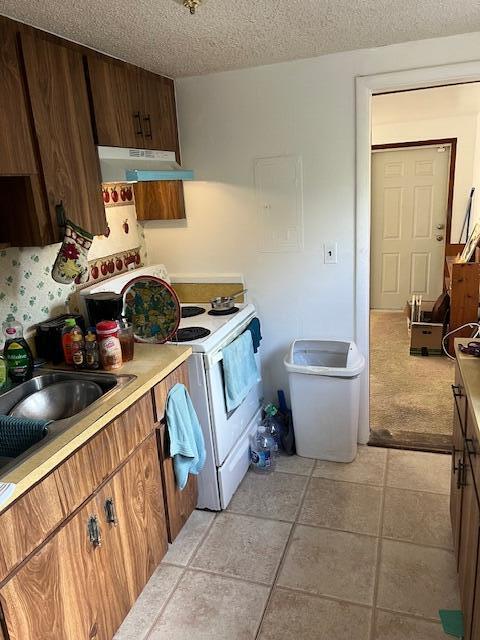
409, 208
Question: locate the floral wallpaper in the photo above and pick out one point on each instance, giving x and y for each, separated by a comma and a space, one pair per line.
29, 294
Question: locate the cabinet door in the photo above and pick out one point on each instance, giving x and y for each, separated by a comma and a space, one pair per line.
134, 526
59, 102
459, 418
16, 146
467, 565
161, 200
178, 504
56, 595
159, 112
117, 103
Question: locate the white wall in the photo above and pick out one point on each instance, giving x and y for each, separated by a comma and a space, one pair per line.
462, 127
305, 107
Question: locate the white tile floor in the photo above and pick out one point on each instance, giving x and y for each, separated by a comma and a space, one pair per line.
315, 551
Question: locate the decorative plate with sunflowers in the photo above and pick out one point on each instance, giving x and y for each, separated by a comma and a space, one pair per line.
152, 306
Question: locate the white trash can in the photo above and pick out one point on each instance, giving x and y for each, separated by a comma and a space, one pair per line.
324, 380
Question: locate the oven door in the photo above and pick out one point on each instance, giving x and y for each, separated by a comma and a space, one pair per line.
228, 427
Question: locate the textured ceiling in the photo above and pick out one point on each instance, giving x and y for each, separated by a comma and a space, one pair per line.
162, 36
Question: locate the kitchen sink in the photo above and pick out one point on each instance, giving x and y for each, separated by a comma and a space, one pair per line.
64, 397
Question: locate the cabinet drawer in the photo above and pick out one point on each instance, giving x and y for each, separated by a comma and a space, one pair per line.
28, 522
88, 467
160, 391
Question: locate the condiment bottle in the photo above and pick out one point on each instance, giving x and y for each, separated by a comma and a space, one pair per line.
78, 351
92, 356
17, 353
109, 345
69, 330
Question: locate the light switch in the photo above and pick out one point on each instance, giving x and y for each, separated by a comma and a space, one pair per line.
330, 251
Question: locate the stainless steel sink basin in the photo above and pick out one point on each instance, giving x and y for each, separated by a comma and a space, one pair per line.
65, 397
58, 401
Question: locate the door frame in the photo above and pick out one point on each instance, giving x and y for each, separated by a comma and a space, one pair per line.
451, 172
365, 88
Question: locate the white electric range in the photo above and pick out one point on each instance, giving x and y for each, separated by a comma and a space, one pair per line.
227, 435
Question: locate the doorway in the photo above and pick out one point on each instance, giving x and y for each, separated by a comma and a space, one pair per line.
413, 193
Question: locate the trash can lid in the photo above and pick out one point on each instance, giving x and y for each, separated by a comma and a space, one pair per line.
334, 358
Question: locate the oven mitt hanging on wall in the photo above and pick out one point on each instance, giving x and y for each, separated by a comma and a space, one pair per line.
71, 263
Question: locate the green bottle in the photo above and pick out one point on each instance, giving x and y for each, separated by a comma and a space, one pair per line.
17, 353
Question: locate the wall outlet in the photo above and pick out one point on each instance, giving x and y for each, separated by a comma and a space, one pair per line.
330, 252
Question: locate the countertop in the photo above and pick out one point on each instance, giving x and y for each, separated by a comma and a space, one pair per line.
150, 366
470, 369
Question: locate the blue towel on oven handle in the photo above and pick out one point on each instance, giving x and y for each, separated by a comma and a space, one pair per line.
187, 446
255, 330
240, 372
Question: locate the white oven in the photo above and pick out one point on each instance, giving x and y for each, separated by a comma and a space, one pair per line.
227, 435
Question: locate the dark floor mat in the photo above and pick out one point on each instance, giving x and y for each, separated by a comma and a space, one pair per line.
398, 439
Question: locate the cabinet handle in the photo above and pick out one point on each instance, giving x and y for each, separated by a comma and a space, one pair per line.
461, 479
470, 446
148, 122
138, 118
457, 393
110, 511
94, 533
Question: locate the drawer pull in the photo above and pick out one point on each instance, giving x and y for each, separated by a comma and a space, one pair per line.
94, 533
110, 511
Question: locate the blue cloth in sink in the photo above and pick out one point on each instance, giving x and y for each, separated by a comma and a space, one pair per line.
240, 372
187, 446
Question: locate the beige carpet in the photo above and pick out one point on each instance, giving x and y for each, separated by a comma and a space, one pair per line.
407, 393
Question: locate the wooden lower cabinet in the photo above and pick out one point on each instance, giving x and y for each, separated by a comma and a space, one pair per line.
465, 507
56, 595
458, 458
79, 587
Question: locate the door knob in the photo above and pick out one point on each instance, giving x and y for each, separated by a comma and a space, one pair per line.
440, 226
439, 238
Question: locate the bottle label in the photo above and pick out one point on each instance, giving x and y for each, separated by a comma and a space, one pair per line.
261, 459
17, 357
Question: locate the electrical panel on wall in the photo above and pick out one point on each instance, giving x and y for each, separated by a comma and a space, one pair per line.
279, 193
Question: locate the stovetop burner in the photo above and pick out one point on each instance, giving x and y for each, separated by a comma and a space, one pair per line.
187, 334
189, 312
223, 312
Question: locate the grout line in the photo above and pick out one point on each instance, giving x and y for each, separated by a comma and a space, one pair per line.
203, 537
180, 577
255, 515
212, 572
163, 607
411, 616
283, 556
324, 596
373, 618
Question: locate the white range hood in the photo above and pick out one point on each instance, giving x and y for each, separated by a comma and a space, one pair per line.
139, 165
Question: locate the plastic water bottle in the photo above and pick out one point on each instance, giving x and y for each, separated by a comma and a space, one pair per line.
273, 427
262, 451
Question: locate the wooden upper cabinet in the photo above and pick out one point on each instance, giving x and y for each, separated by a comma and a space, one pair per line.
161, 200
131, 107
16, 145
159, 112
116, 103
59, 103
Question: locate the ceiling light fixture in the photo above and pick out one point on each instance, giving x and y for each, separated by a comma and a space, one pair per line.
192, 5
